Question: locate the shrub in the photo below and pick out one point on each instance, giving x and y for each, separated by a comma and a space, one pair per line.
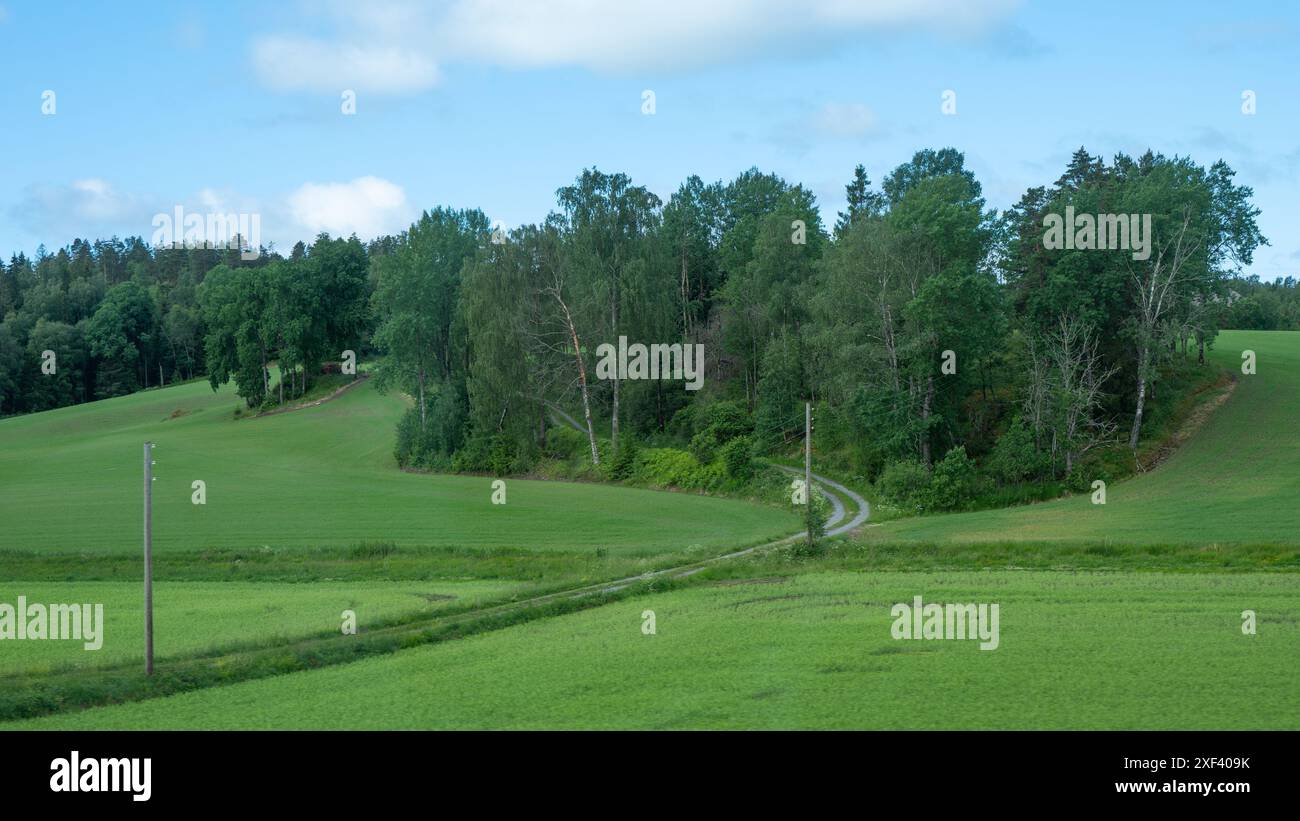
670, 467
497, 454
704, 447
564, 442
1087, 470
905, 484
409, 446
727, 420
683, 422
814, 518
442, 434
501, 455
736, 459
624, 459
1014, 457
604, 449
954, 483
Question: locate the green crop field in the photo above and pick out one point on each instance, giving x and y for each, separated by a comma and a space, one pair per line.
324, 475
1237, 479
1099, 650
200, 616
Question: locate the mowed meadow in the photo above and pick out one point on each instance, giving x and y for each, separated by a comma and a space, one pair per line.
1235, 481
70, 482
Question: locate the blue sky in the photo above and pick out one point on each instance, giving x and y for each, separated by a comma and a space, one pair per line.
236, 106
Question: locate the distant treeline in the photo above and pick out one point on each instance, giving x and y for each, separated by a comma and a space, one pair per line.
102, 319
933, 333
1262, 306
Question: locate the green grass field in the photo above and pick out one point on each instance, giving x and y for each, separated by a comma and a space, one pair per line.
70, 482
1131, 617
192, 617
1237, 480
1101, 650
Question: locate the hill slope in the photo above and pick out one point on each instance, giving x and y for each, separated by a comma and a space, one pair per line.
70, 482
1237, 480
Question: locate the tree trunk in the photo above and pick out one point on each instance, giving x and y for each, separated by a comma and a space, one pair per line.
586, 412
686, 299
582, 376
421, 378
1141, 398
614, 425
1200, 349
925, 419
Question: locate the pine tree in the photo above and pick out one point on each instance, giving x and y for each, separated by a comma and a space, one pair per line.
862, 201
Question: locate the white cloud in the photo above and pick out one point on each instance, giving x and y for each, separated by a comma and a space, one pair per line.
93, 208
299, 63
95, 199
659, 34
396, 46
83, 208
366, 206
845, 120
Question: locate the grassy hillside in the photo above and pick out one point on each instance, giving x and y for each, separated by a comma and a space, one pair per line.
70, 482
764, 642
1105, 650
1237, 480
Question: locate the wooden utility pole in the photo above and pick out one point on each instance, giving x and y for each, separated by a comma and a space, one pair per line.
148, 558
807, 466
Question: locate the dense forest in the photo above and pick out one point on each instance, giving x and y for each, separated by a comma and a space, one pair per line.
948, 350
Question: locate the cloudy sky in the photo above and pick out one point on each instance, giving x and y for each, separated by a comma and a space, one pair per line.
237, 106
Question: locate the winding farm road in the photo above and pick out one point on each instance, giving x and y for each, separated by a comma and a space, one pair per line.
837, 507
835, 526
864, 508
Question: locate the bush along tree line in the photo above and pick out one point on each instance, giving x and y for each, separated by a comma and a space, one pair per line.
956, 357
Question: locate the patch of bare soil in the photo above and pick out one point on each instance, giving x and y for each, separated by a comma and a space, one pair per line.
335, 395
1191, 424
